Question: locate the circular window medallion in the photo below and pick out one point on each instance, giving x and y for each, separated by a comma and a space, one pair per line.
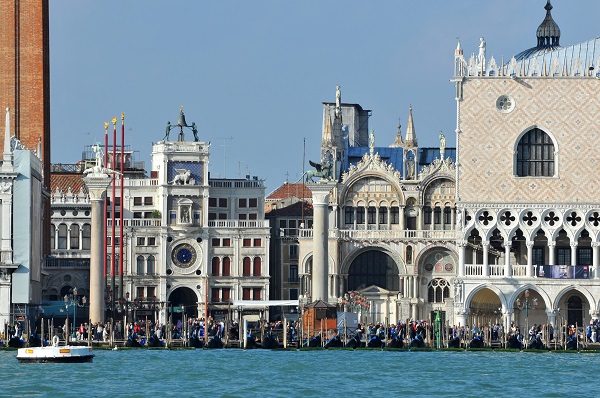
448, 267
505, 104
183, 255
429, 267
438, 267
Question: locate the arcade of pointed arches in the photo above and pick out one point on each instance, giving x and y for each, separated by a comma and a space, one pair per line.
529, 305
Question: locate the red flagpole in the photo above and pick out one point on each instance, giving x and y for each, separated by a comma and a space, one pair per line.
121, 243
112, 209
105, 252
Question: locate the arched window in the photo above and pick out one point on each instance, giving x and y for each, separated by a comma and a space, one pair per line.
86, 237
247, 263
62, 236
256, 271
150, 265
140, 265
535, 155
226, 266
409, 254
74, 244
438, 290
216, 264
52, 236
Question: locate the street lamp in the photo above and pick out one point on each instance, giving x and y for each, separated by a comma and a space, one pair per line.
71, 300
526, 305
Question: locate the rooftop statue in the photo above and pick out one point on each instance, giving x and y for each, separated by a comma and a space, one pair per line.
181, 123
442, 145
481, 55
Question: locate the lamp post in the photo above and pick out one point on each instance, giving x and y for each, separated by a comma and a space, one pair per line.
526, 305
71, 300
355, 301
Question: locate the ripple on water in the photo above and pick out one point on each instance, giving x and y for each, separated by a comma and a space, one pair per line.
239, 373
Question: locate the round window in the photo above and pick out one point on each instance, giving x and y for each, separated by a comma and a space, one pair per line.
505, 104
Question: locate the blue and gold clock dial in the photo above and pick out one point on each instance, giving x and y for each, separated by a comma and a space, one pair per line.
183, 255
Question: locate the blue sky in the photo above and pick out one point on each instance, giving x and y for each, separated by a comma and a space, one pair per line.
252, 74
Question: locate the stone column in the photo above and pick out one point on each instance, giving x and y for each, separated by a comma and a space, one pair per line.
320, 265
508, 320
530, 272
486, 265
507, 265
551, 253
595, 246
96, 185
461, 257
573, 253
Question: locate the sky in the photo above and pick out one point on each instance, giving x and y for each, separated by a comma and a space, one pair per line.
253, 75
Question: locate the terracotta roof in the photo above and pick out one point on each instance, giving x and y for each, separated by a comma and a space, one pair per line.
63, 182
299, 190
292, 210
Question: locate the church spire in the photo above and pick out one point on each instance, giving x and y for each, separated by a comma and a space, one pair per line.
398, 141
327, 140
548, 33
411, 137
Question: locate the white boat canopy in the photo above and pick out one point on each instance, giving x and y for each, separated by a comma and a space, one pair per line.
265, 303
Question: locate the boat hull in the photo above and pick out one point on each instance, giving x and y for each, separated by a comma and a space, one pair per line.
63, 354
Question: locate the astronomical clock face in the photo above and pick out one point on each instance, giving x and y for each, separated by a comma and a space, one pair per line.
183, 255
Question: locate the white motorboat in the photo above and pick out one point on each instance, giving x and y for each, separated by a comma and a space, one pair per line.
56, 353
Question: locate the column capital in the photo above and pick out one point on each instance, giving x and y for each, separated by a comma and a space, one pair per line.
551, 244
573, 244
595, 244
485, 243
529, 243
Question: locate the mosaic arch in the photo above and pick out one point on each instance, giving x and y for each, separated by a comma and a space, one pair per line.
369, 186
373, 267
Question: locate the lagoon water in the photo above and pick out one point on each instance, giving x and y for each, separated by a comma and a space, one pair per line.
322, 373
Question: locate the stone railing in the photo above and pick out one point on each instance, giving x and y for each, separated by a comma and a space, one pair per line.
238, 224
135, 222
353, 234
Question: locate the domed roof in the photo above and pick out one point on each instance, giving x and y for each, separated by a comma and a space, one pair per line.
548, 36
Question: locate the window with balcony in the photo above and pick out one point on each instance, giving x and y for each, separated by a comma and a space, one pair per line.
535, 155
294, 251
246, 266
394, 215
216, 264
257, 267
293, 278
62, 236
360, 215
86, 237
52, 236
150, 265
226, 266
74, 244
349, 215
140, 265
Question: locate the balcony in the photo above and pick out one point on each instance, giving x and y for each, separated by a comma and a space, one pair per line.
238, 224
135, 222
67, 263
383, 235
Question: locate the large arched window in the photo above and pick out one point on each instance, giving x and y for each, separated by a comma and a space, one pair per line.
150, 265
535, 155
257, 269
140, 265
373, 268
74, 244
52, 236
216, 264
62, 236
247, 263
226, 266
438, 290
86, 237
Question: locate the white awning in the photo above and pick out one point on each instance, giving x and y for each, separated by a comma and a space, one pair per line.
264, 303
